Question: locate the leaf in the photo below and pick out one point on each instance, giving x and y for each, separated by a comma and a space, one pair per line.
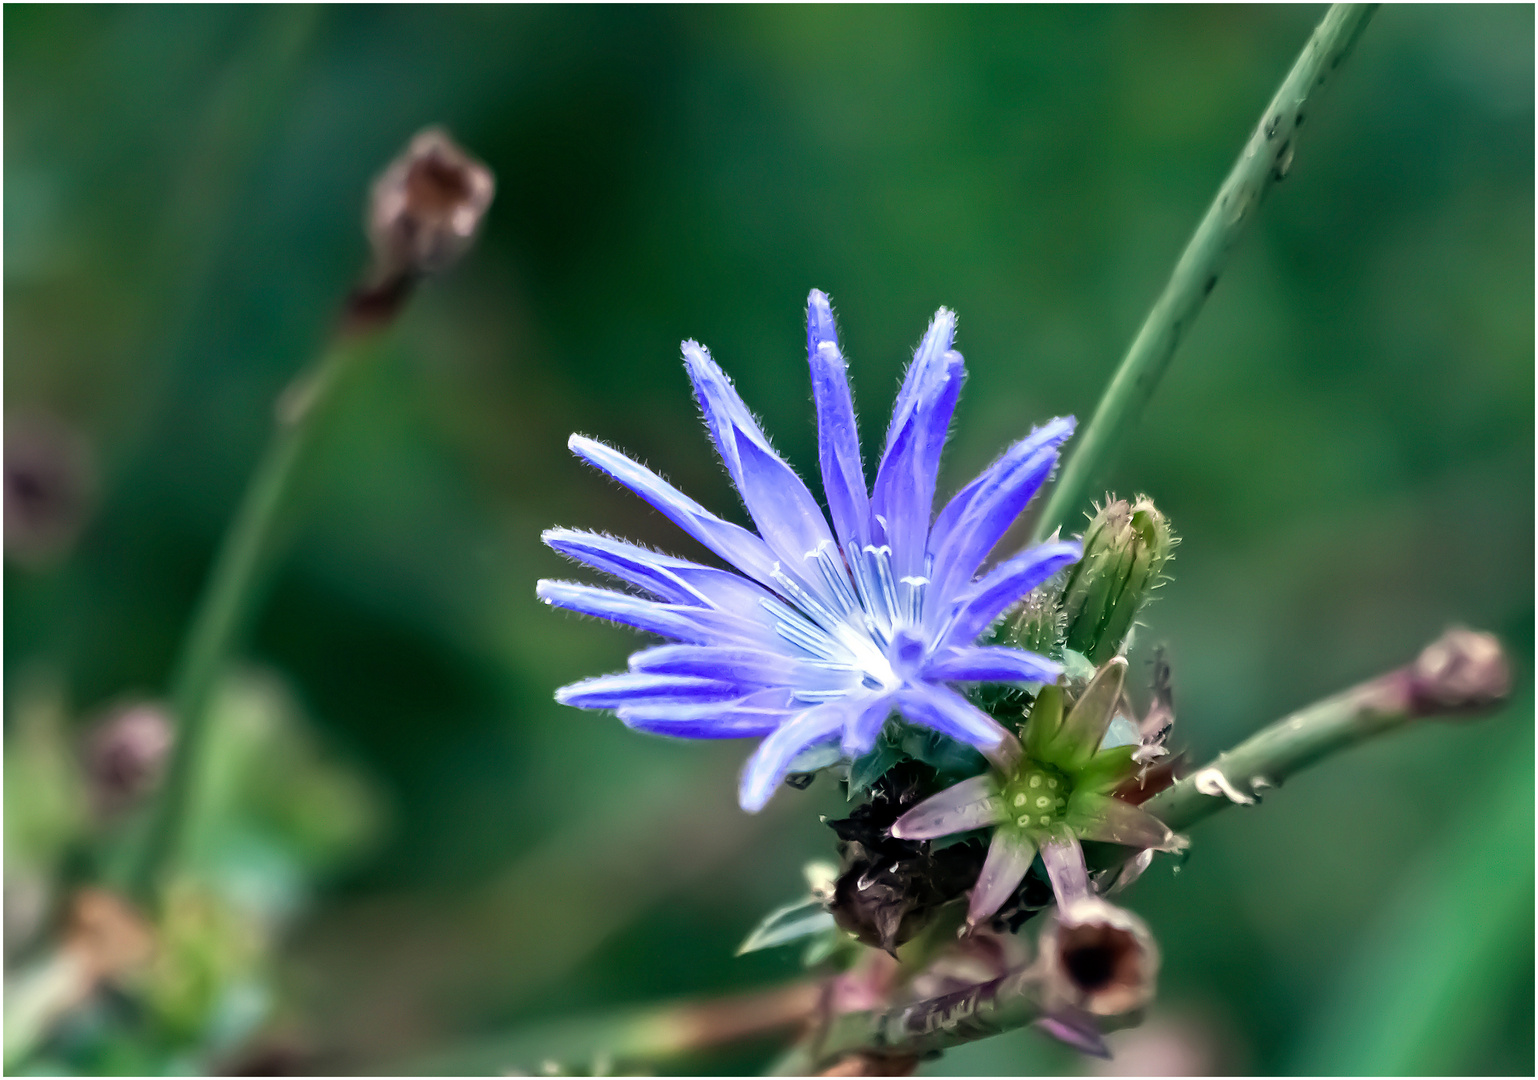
870, 767
792, 922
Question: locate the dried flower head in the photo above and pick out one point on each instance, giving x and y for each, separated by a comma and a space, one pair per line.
426, 207
1098, 958
125, 755
824, 631
50, 484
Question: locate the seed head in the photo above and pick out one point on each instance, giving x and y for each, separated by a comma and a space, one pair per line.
1463, 672
426, 207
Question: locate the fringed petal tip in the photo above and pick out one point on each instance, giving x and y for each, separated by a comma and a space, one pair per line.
820, 327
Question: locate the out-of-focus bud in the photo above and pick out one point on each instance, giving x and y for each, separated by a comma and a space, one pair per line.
108, 934
50, 485
1168, 1046
125, 755
426, 207
1463, 673
1125, 549
1099, 959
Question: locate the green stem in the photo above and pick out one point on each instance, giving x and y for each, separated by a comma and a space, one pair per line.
1461, 674
1265, 160
644, 1036
230, 598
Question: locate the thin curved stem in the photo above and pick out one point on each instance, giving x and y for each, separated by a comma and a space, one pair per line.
1265, 159
230, 598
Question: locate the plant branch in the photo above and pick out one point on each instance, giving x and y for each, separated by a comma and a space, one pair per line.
1462, 673
635, 1037
230, 597
1266, 158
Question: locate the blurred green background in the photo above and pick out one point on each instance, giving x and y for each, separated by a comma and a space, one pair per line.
1345, 444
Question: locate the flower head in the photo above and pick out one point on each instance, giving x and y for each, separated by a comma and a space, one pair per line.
1058, 792
820, 633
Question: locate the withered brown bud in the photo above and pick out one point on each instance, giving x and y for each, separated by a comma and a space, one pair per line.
426, 207
1098, 958
125, 755
1463, 673
107, 934
50, 484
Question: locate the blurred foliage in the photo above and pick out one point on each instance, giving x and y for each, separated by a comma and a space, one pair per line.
1345, 443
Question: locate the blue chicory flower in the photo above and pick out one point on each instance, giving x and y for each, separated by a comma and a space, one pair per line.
820, 634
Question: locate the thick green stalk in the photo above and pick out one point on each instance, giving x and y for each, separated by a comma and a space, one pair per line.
1265, 159
230, 598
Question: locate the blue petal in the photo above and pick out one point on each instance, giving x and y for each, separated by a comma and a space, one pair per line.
991, 663
993, 508
667, 576
860, 734
903, 495
949, 713
756, 714
694, 624
1052, 433
977, 607
612, 691
732, 542
743, 665
838, 437
771, 761
787, 515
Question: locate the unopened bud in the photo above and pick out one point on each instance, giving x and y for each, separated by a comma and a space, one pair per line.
50, 484
1037, 624
426, 207
1125, 548
1098, 958
1464, 672
125, 756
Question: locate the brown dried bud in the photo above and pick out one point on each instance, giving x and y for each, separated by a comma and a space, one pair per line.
426, 207
50, 484
125, 756
107, 934
1098, 958
1463, 673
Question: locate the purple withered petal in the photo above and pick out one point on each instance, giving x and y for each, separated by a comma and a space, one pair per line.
1064, 860
971, 804
1009, 859
771, 761
1100, 817
1076, 1034
991, 663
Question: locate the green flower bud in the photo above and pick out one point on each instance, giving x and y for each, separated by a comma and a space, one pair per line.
1125, 548
1036, 625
